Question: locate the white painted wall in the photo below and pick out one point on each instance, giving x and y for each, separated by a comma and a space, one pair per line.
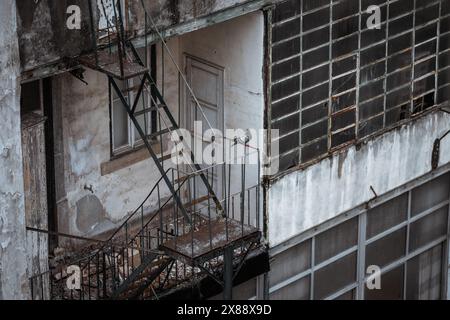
304, 199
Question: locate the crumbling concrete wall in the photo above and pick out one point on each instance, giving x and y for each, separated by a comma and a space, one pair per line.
43, 35
168, 13
304, 199
13, 261
45, 39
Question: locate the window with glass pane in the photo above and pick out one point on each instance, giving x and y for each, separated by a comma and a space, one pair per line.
125, 135
351, 295
334, 277
120, 120
298, 290
335, 81
428, 229
425, 275
290, 263
391, 286
430, 194
387, 249
387, 215
336, 240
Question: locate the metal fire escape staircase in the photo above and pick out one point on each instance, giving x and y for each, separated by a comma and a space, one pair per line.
192, 233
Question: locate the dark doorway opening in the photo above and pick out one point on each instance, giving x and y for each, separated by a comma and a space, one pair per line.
47, 94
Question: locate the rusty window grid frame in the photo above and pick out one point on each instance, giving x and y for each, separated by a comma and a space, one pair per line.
358, 286
361, 48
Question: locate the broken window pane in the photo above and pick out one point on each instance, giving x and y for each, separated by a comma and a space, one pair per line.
397, 114
290, 160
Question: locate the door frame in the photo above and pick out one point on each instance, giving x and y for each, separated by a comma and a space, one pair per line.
185, 105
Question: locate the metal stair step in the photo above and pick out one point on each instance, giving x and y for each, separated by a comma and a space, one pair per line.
109, 63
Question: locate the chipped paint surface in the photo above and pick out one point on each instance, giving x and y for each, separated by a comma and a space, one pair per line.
86, 136
44, 38
43, 35
13, 262
304, 199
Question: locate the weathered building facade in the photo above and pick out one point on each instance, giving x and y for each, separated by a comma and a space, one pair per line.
352, 173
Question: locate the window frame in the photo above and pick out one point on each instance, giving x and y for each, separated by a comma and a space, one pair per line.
303, 151
135, 143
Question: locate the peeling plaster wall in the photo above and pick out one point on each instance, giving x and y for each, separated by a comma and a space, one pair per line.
85, 114
13, 257
45, 39
168, 13
43, 35
304, 199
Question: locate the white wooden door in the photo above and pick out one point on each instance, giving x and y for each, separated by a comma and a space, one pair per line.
207, 82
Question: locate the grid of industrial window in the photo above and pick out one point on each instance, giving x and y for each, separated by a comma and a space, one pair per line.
336, 81
405, 236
